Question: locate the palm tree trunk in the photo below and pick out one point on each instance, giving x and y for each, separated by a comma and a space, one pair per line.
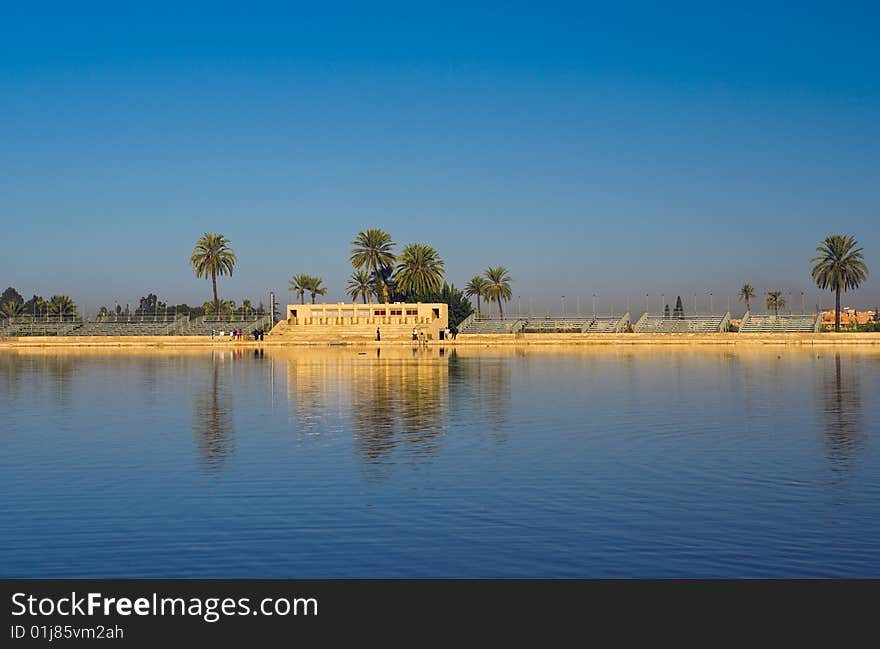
837, 309
478, 305
313, 298
216, 299
500, 309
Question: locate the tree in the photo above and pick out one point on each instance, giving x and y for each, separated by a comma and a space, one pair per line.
498, 287
213, 256
746, 293
11, 295
476, 288
62, 306
372, 251
775, 301
678, 311
10, 308
840, 267
315, 288
103, 313
299, 284
420, 269
360, 284
459, 306
666, 312
246, 307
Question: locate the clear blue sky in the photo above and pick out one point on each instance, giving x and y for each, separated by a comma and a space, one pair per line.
616, 148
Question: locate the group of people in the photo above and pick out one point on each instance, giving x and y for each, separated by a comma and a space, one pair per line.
236, 334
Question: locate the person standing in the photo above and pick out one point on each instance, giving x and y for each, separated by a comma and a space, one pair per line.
378, 335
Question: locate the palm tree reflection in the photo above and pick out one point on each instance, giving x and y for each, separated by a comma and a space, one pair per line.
842, 415
213, 424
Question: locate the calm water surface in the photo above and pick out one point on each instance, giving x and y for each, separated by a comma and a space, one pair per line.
506, 463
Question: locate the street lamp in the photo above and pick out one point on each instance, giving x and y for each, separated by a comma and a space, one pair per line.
710, 302
594, 305
563, 306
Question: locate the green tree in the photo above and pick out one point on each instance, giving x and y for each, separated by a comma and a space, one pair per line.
840, 267
476, 288
360, 284
213, 256
315, 288
11, 295
420, 269
775, 301
498, 287
62, 306
746, 293
246, 307
10, 308
459, 306
372, 250
299, 284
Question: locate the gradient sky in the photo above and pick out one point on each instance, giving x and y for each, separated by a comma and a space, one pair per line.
616, 148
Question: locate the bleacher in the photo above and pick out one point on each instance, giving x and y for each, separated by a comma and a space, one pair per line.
663, 324
575, 324
489, 325
204, 326
760, 323
134, 327
30, 327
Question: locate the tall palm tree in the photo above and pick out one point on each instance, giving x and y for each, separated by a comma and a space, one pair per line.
746, 293
420, 269
62, 306
246, 307
315, 288
372, 251
498, 287
775, 301
840, 266
213, 256
360, 284
476, 288
299, 284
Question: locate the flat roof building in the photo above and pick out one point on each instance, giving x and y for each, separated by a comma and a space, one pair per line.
395, 321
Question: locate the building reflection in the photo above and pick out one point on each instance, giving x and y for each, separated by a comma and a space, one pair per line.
842, 414
395, 401
213, 422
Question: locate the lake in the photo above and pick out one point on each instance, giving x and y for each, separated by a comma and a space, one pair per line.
506, 462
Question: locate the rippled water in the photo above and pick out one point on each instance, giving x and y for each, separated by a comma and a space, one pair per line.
512, 463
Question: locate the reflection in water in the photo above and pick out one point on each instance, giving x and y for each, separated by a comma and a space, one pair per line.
480, 388
213, 426
395, 400
842, 414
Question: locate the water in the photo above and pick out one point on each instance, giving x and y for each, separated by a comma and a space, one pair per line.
615, 462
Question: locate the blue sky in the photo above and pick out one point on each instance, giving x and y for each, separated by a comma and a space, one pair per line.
667, 148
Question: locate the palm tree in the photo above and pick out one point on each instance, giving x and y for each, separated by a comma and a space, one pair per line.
10, 309
103, 314
360, 284
62, 306
372, 251
246, 307
840, 266
476, 288
775, 301
209, 308
746, 293
498, 287
299, 284
213, 256
315, 288
420, 269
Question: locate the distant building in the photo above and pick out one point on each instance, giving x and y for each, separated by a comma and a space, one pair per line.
848, 317
395, 321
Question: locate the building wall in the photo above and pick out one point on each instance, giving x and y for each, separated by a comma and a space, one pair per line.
363, 319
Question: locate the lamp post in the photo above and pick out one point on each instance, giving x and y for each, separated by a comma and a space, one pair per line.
563, 306
579, 306
695, 303
594, 305
647, 310
710, 302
